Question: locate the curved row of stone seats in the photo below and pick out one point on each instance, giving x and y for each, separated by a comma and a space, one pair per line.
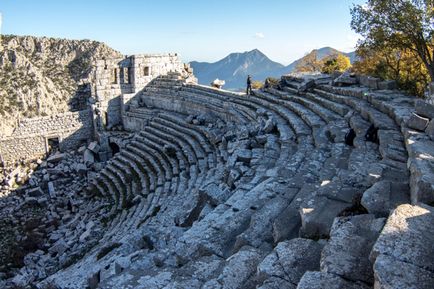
193, 104
395, 146
385, 267
316, 121
243, 222
390, 137
245, 236
330, 217
249, 235
231, 99
329, 115
187, 158
157, 136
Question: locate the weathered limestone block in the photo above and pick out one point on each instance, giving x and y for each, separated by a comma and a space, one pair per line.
317, 217
405, 247
385, 196
421, 181
424, 109
88, 157
387, 85
56, 158
322, 280
420, 163
259, 233
290, 260
345, 79
392, 273
244, 155
214, 194
286, 225
408, 227
94, 147
347, 252
373, 82
417, 122
240, 268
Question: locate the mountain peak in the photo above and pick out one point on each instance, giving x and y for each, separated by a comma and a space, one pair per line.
255, 52
235, 67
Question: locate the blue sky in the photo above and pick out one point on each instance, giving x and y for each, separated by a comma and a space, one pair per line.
198, 30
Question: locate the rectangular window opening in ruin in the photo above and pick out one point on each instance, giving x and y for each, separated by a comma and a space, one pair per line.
53, 144
115, 76
130, 75
146, 71
125, 75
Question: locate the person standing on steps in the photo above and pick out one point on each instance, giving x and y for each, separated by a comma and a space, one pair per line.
249, 85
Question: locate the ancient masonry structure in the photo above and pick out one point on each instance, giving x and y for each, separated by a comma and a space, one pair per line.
223, 190
117, 80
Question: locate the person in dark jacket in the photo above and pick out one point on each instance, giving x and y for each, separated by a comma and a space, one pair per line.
249, 85
372, 134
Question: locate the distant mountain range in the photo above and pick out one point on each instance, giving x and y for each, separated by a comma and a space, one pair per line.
235, 67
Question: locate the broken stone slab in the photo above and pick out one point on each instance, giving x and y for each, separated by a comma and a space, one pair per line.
269, 125
421, 157
81, 149
35, 192
317, 216
286, 225
59, 247
214, 194
51, 190
290, 260
244, 155
385, 196
94, 147
417, 122
424, 109
393, 273
373, 82
408, 236
32, 201
204, 268
81, 168
84, 236
345, 79
56, 158
239, 268
421, 181
259, 232
323, 280
347, 252
93, 280
88, 157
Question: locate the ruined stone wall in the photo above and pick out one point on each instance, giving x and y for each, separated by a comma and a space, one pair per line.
118, 77
22, 148
30, 139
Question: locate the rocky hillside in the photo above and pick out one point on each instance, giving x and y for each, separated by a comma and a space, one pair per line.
43, 76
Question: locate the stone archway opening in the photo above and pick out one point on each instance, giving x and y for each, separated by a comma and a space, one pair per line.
114, 148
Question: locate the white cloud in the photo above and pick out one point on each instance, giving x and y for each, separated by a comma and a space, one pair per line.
259, 35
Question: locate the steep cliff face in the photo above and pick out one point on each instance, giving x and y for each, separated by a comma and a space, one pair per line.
44, 76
